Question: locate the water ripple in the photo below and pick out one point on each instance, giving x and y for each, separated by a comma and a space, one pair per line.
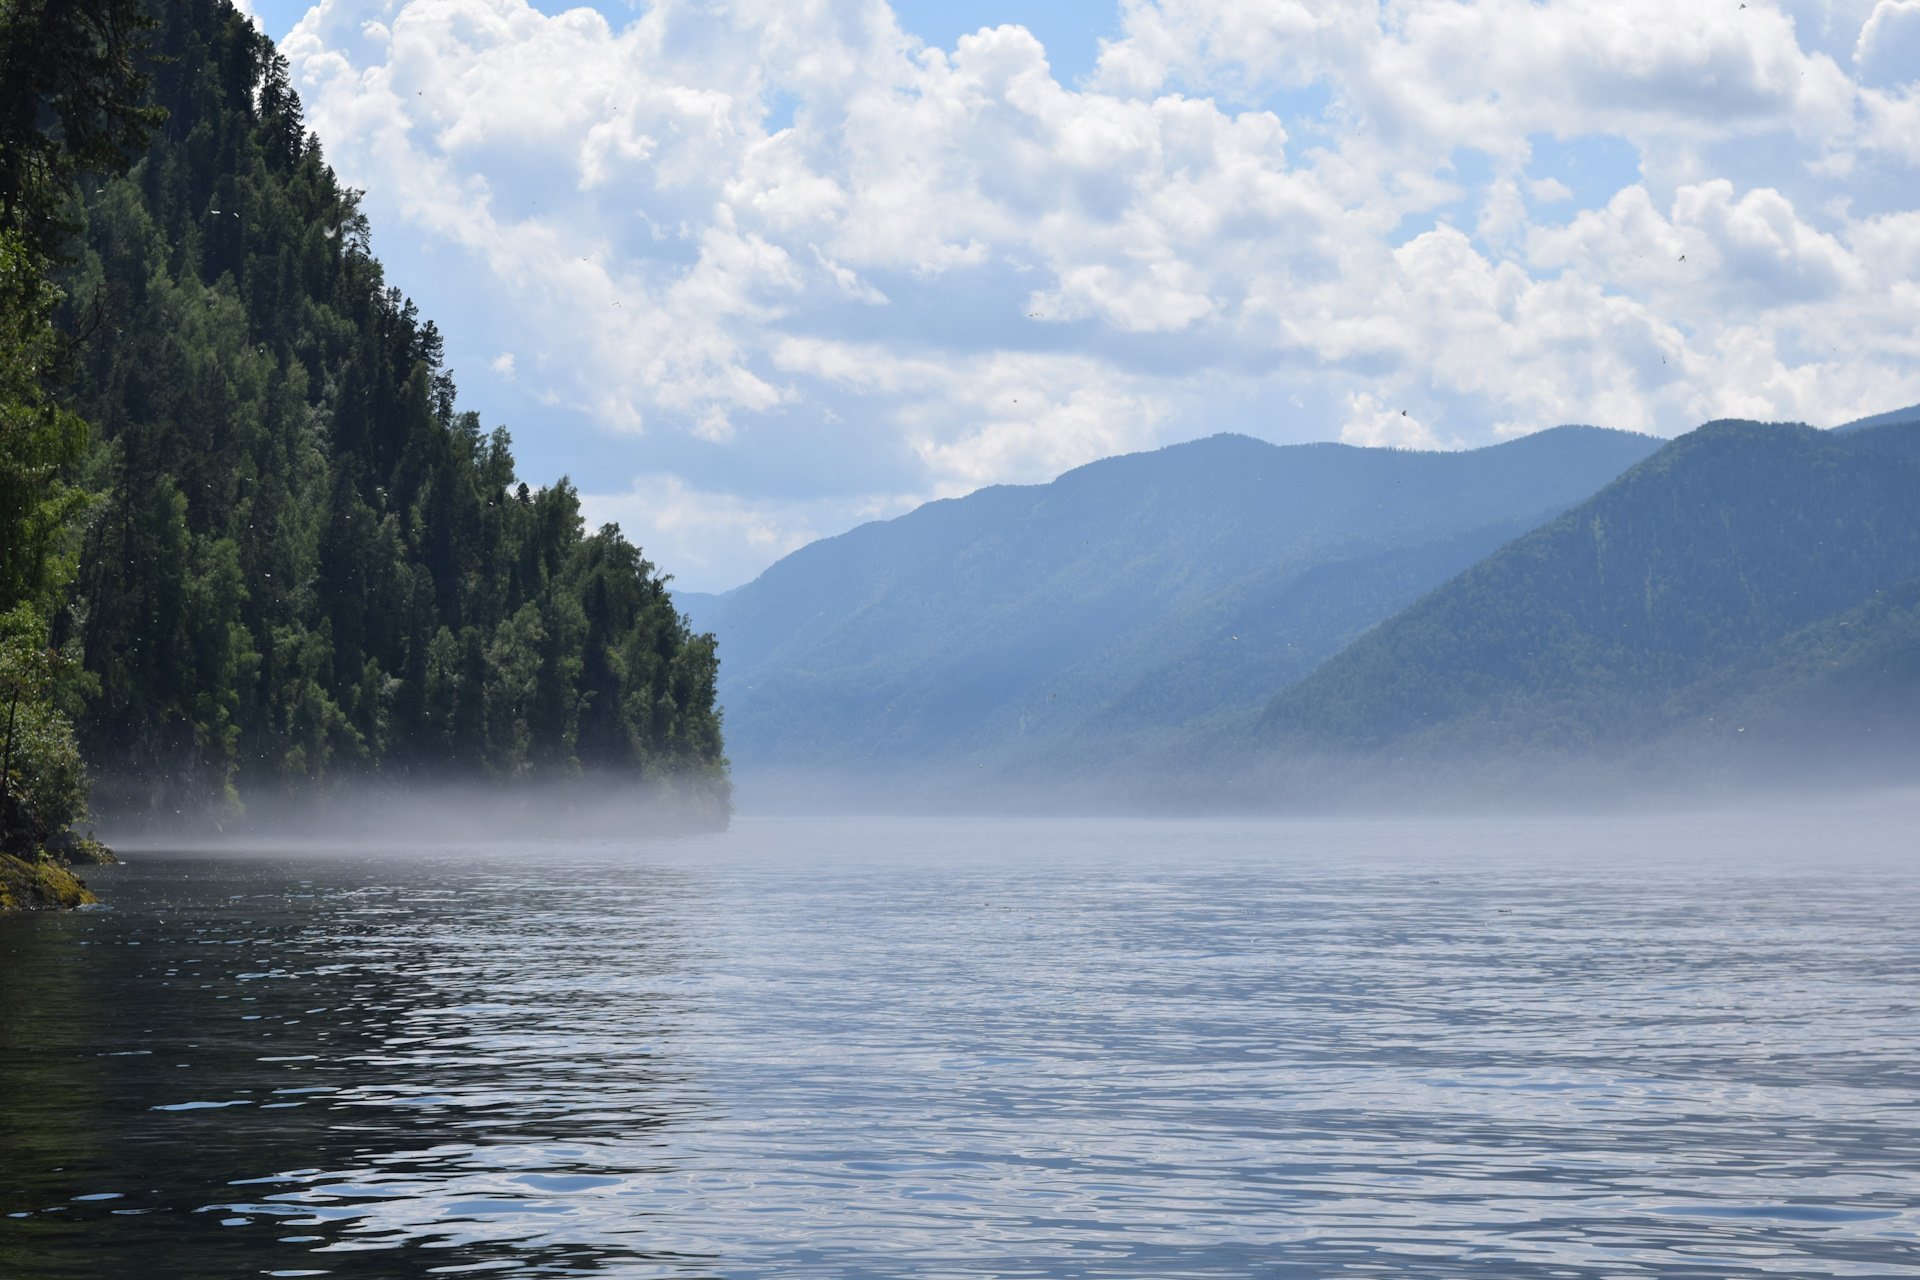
983, 1049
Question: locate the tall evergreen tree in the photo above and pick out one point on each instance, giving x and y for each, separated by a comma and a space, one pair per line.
71, 100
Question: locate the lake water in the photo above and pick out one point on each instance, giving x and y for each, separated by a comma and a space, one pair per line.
1683, 1048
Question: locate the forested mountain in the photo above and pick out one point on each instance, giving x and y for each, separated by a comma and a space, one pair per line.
1070, 623
1750, 585
300, 560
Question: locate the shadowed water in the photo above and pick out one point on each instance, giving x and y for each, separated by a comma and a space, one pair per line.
1679, 1049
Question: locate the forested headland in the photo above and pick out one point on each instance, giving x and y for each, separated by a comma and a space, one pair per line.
251, 545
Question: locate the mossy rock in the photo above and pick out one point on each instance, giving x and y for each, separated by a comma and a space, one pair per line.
39, 885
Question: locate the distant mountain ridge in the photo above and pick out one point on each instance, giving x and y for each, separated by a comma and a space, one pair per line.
1751, 587
1892, 416
1126, 598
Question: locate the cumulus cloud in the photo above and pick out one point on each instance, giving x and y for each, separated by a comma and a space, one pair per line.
1374, 425
764, 230
1888, 51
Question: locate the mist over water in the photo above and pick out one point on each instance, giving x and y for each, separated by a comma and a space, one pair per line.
1841, 779
395, 818
1673, 1046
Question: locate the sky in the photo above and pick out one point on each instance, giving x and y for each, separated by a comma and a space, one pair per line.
752, 272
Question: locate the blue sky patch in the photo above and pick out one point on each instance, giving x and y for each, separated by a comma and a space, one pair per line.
1593, 166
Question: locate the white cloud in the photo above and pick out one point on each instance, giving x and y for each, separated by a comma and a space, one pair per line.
715, 538
1713, 248
1375, 425
1038, 436
1490, 72
1549, 190
1766, 253
997, 418
772, 230
1888, 51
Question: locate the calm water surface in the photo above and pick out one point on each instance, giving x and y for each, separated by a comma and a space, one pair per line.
844, 1049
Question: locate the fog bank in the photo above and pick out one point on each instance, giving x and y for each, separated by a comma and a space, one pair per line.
389, 813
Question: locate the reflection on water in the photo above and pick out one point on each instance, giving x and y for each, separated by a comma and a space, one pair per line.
1040, 1049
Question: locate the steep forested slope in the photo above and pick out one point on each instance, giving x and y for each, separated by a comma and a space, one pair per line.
1746, 572
71, 100
1056, 623
305, 561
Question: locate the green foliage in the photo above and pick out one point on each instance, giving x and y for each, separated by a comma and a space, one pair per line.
38, 437
42, 784
40, 768
307, 563
70, 101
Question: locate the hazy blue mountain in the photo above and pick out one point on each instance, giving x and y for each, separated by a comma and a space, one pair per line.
1828, 699
1892, 416
1746, 580
1126, 597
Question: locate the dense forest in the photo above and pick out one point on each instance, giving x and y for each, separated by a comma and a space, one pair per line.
252, 543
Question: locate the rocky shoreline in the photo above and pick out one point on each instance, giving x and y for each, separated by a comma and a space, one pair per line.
43, 885
36, 865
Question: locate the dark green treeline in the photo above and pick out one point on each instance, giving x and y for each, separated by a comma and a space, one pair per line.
304, 562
